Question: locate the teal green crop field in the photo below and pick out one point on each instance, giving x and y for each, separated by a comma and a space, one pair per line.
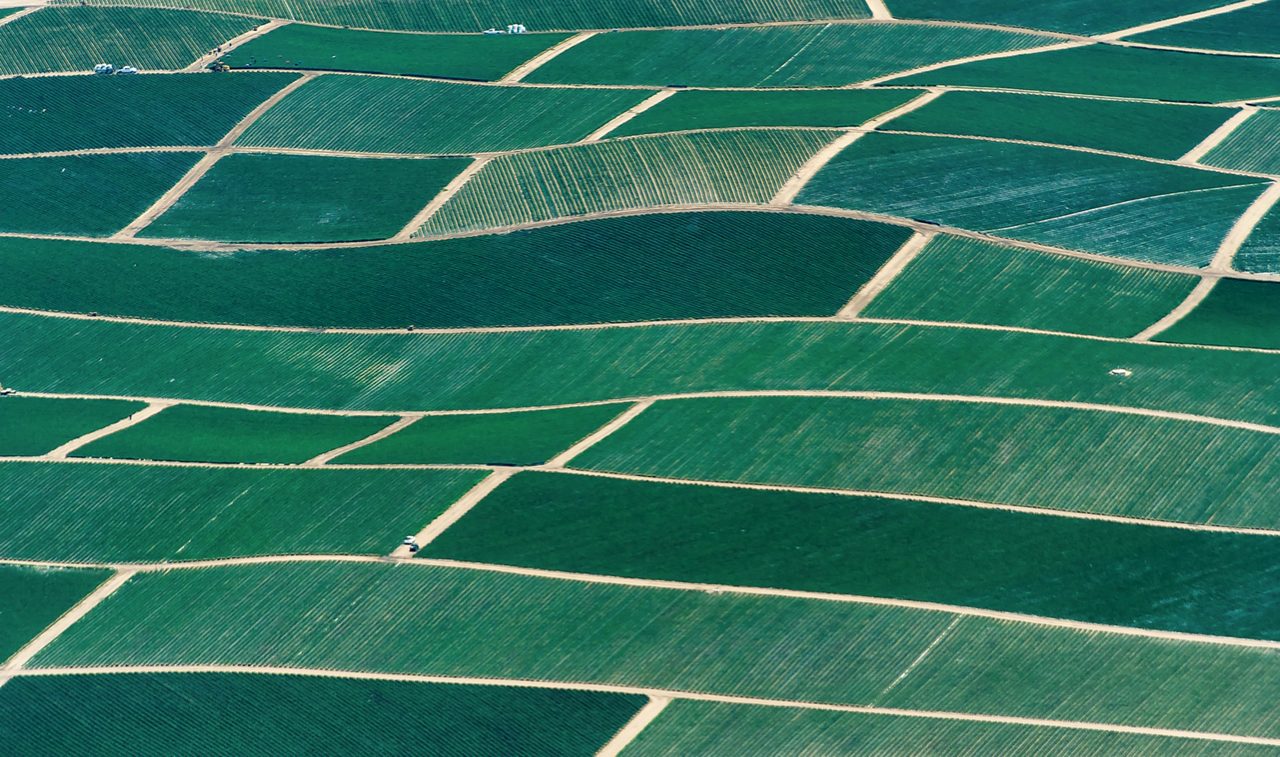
752, 378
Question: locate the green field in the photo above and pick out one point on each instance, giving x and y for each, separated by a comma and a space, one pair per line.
83, 512
452, 56
465, 16
730, 730
1119, 72
406, 372
1261, 251
78, 38
159, 714
304, 198
967, 281
82, 112
1079, 460
528, 438
1253, 146
713, 167
1081, 201
1254, 29
1236, 313
352, 617
1151, 129
92, 195
1163, 578
1080, 16
677, 265
828, 55
194, 433
712, 109
32, 598
35, 425
349, 113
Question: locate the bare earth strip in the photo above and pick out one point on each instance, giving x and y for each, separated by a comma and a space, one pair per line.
20, 14
970, 59
1194, 155
1185, 18
879, 11
203, 61
614, 123
454, 186
1193, 299
377, 436
632, 729
456, 511
61, 452
562, 459
542, 58
885, 276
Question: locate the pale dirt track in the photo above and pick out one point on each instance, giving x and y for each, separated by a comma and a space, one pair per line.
544, 57
61, 452
885, 276
323, 459
231, 44
632, 729
455, 511
47, 636
626, 116
1184, 18
1215, 138
1192, 301
597, 436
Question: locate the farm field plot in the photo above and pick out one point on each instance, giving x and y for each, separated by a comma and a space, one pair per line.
1081, 201
93, 195
460, 15
452, 56
716, 728
1237, 313
526, 438
194, 433
160, 714
77, 38
32, 598
1254, 29
351, 617
1162, 578
711, 109
85, 112
1261, 251
1118, 72
1076, 16
1150, 129
968, 281
354, 113
714, 167
36, 425
820, 55
92, 512
674, 265
1253, 146
1119, 464
303, 198
531, 368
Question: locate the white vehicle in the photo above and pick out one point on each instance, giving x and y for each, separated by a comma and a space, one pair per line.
127, 70
104, 68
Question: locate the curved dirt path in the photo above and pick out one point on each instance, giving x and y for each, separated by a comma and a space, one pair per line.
1183, 19
1216, 137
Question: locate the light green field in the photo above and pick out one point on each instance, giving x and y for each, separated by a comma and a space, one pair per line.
93, 195
1119, 72
712, 167
820, 55
1079, 460
1253, 146
1162, 578
165, 714
1254, 29
32, 598
454, 56
407, 372
35, 425
78, 38
1151, 129
1082, 201
304, 198
1080, 16
1236, 313
82, 112
194, 433
529, 438
712, 109
82, 512
352, 617
1261, 251
639, 268
729, 730
349, 113
968, 281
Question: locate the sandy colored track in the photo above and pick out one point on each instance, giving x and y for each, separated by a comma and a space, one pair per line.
599, 435
203, 61
20, 14
454, 186
455, 511
323, 459
151, 409
1215, 138
626, 116
1185, 18
885, 276
632, 729
544, 57
972, 59
1192, 301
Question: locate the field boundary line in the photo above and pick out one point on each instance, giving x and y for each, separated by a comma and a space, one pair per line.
20, 14
204, 60
638, 722
77, 611
652, 692
455, 511
879, 11
538, 61
400, 424
148, 463
973, 59
1216, 137
786, 194
202, 166
1243, 227
1176, 20
599, 435
920, 658
62, 451
626, 116
454, 186
1191, 302
885, 276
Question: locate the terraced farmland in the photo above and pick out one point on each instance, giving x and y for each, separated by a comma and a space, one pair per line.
733, 377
